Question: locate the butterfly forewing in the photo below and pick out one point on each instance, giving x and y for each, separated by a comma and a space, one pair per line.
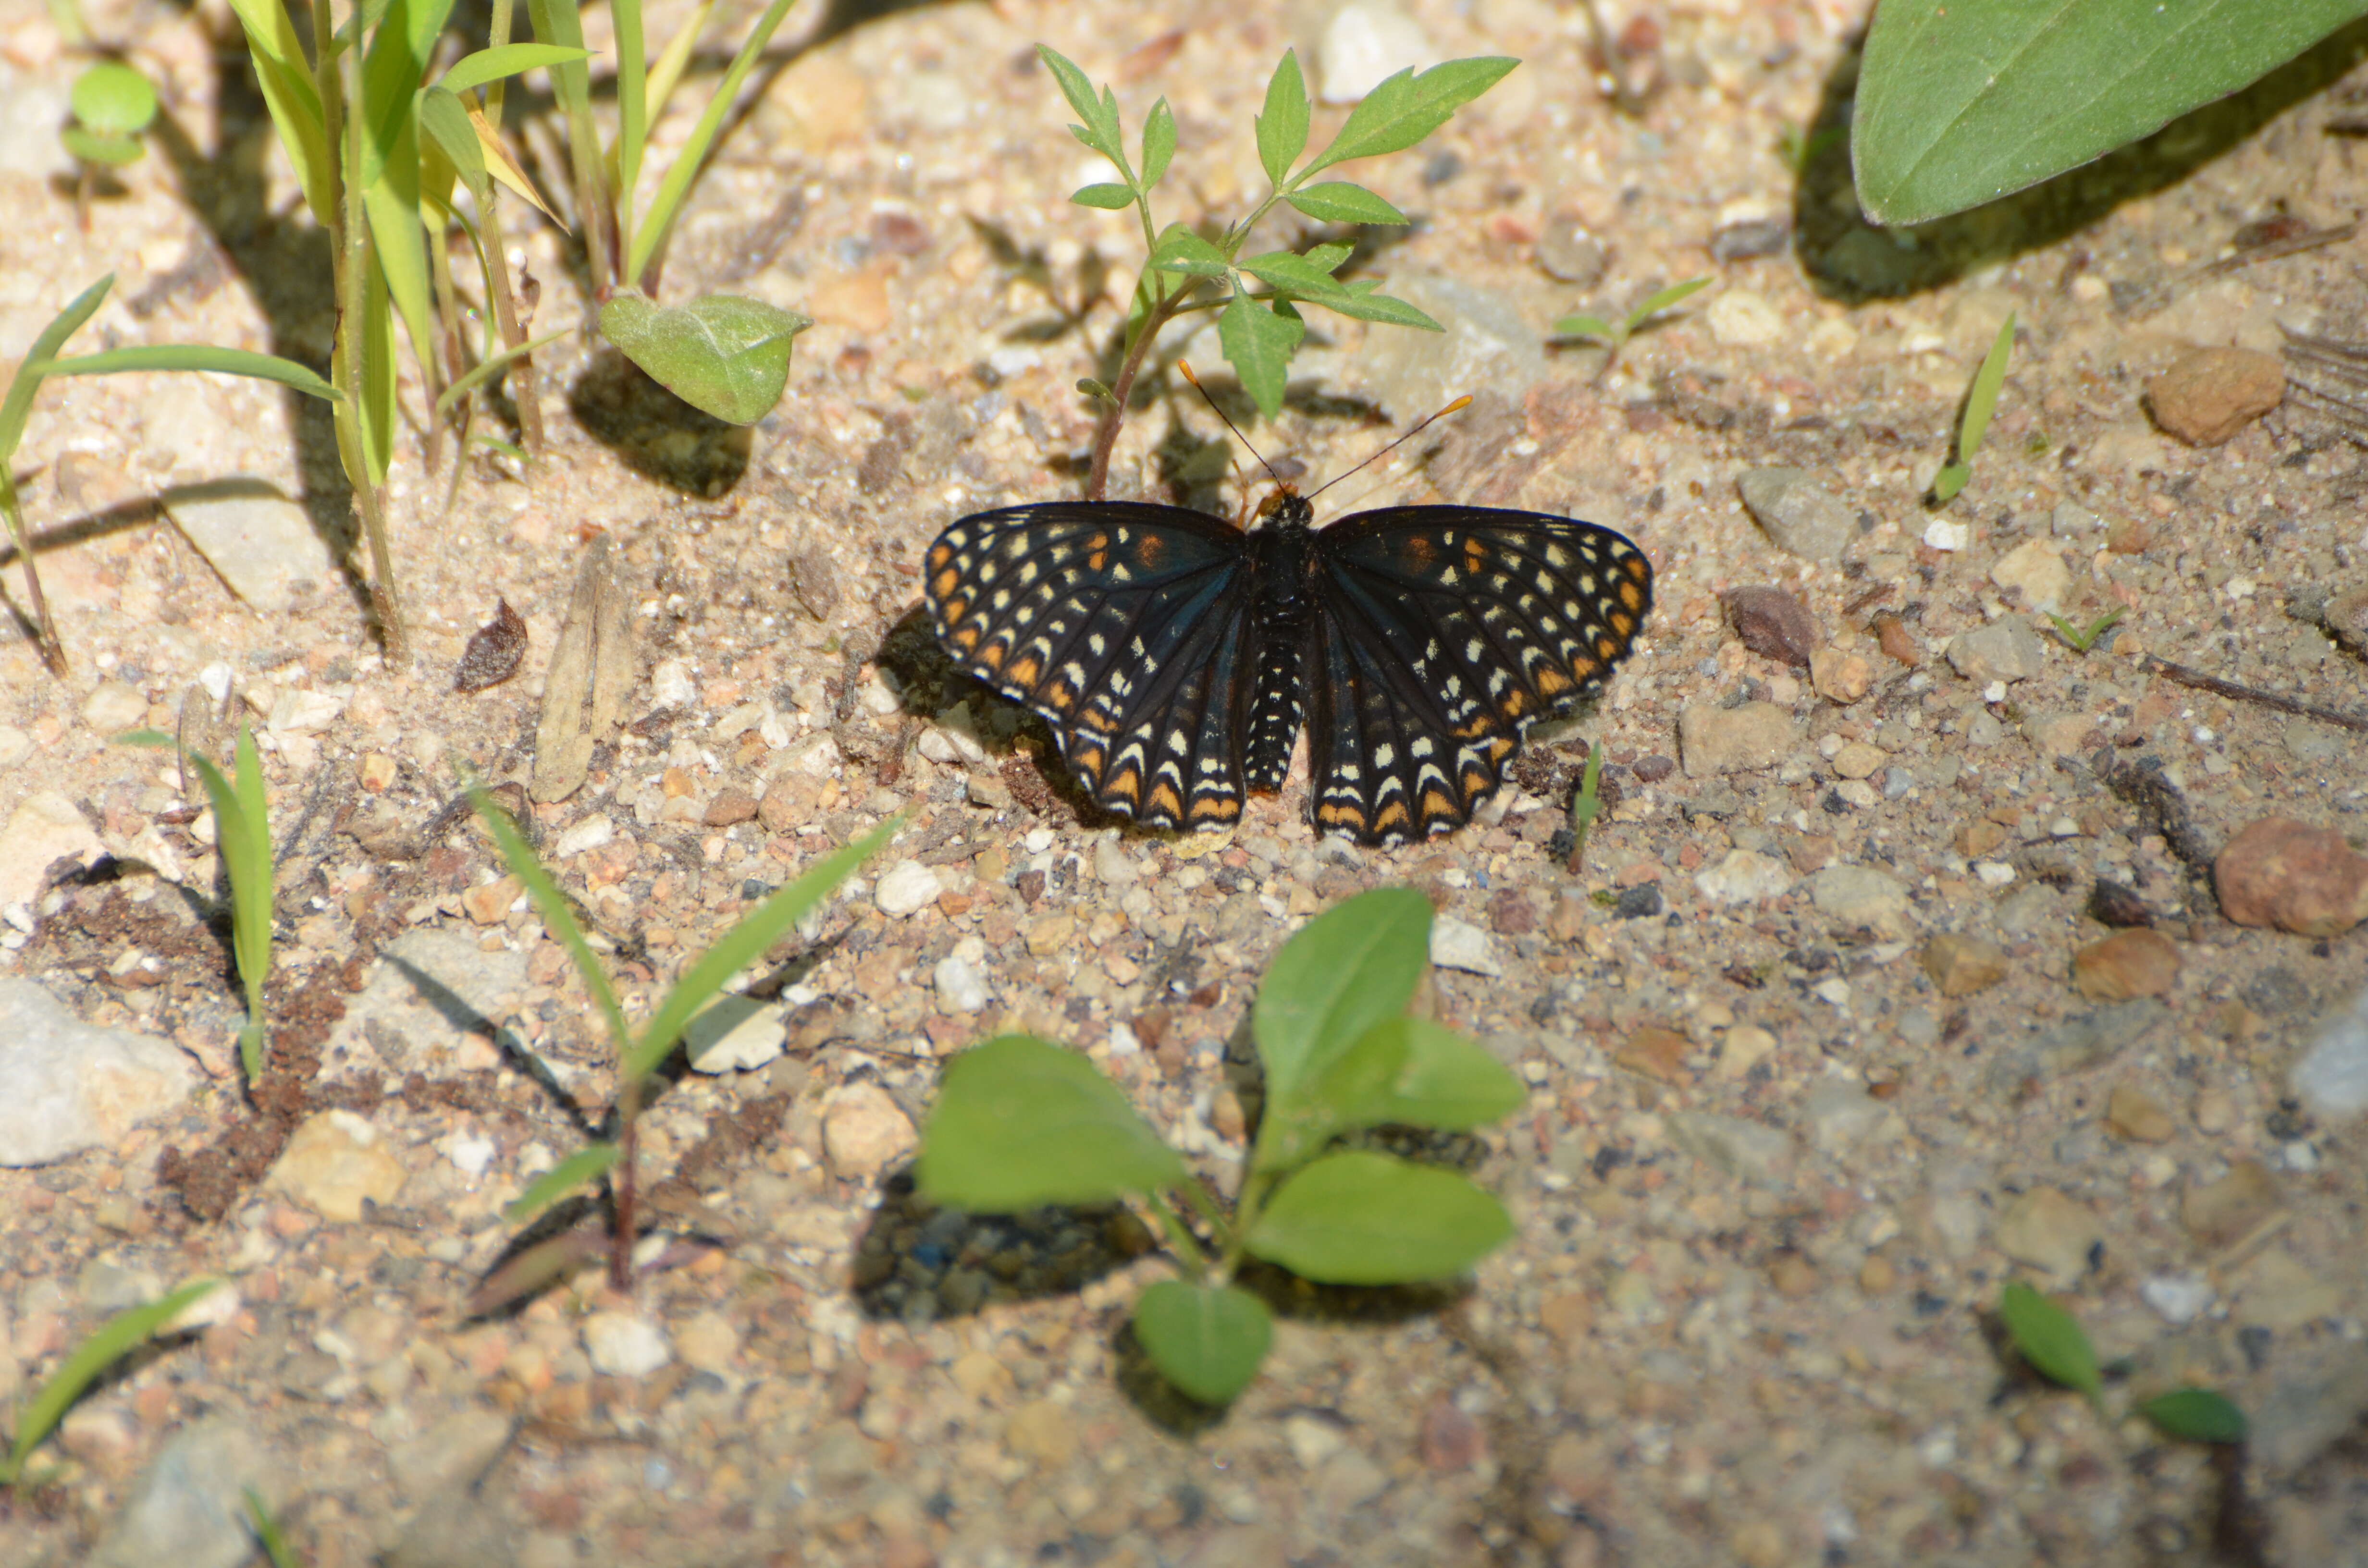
1445, 632
1121, 624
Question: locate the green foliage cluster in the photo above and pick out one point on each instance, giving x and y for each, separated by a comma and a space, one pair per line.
2054, 1344
1962, 101
1258, 297
640, 1051
1614, 332
1020, 1122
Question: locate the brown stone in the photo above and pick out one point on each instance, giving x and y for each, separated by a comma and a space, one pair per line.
1567, 920
2127, 964
1773, 624
2206, 396
1839, 676
1977, 839
1792, 1275
2290, 875
2135, 1115
2222, 1213
1962, 965
732, 804
1656, 1052
1569, 1316
1891, 634
489, 902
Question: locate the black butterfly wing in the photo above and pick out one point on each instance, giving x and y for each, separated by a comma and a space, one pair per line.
1443, 634
1124, 625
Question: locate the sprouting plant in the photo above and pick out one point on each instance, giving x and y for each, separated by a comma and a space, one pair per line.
1020, 1122
107, 1344
1585, 805
2051, 1340
722, 354
1800, 148
2081, 640
243, 834
1260, 326
1614, 334
112, 104
41, 361
1980, 401
640, 1051
266, 1531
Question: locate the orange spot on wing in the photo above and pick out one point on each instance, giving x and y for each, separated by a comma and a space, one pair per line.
1436, 807
941, 555
1622, 623
1164, 800
1216, 808
1500, 748
945, 582
1393, 815
1125, 785
1150, 550
968, 637
1025, 672
1583, 666
1607, 649
1516, 703
1551, 681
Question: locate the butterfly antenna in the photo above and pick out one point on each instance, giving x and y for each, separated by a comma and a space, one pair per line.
1236, 429
1460, 405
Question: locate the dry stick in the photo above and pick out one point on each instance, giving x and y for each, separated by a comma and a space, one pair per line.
53, 649
2202, 682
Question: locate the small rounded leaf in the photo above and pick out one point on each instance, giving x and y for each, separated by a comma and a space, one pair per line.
1364, 1219
2050, 1338
2196, 1415
1021, 1124
109, 97
1208, 1342
97, 147
723, 355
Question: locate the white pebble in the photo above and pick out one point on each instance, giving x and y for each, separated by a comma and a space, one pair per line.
905, 887
960, 990
2179, 1297
1456, 944
625, 1344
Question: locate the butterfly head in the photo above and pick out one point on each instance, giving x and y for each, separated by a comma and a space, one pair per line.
1285, 508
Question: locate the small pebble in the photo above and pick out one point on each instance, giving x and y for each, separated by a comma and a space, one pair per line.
1960, 965
2136, 1116
2331, 1078
2180, 1299
1714, 740
960, 989
1840, 677
1457, 944
2051, 1231
1773, 624
625, 1344
1567, 252
1366, 43
2284, 873
2034, 569
905, 887
1802, 516
1749, 239
2206, 396
2005, 650
2127, 964
1743, 875
864, 1131
2221, 1213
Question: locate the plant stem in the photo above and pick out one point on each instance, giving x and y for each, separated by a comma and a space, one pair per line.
53, 651
497, 266
353, 299
1106, 433
621, 1246
1180, 1236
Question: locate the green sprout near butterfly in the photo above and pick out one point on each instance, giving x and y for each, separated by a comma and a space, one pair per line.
1980, 403
1585, 805
2081, 640
2050, 1340
1260, 327
107, 1344
1021, 1124
1614, 334
112, 104
640, 1052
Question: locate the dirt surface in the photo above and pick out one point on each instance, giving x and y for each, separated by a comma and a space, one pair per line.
1814, 1070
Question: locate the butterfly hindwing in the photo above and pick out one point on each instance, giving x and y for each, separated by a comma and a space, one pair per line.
1122, 624
1445, 632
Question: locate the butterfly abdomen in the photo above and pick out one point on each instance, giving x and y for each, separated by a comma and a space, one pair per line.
1283, 610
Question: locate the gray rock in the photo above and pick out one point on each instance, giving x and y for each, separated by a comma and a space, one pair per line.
45, 828
429, 986
188, 1507
1567, 252
2310, 1408
2071, 521
960, 989
1852, 896
264, 544
1489, 344
453, 1452
625, 1344
1456, 944
2331, 1079
2076, 1044
2007, 649
1839, 1114
1801, 516
1743, 875
1749, 1150
66, 1087
1714, 740
2310, 742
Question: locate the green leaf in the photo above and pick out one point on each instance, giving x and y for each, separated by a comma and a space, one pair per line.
2195, 1416
581, 1168
1258, 344
1326, 259
285, 75
1283, 125
1363, 304
1020, 1123
266, 1530
1181, 250
1207, 1340
723, 355
746, 943
112, 99
1983, 399
1950, 480
1962, 101
242, 835
487, 369
2050, 1338
1408, 107
1295, 276
1079, 89
1338, 202
1365, 1219
1158, 142
107, 1345
195, 357
1655, 303
38, 358
1586, 327
1352, 967
103, 147
557, 918
1448, 1082
507, 59
1107, 197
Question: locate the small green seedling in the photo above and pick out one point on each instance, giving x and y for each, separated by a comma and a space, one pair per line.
266, 1530
107, 1344
1801, 149
2051, 1340
1585, 805
41, 361
112, 104
1979, 404
243, 834
1614, 334
2081, 640
1021, 1124
639, 1053
1260, 327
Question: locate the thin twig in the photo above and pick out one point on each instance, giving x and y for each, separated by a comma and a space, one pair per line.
2202, 682
1106, 433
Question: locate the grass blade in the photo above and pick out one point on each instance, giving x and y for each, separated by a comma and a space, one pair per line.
1655, 305
486, 370
655, 227
1983, 399
27, 379
557, 918
195, 357
632, 112
266, 1531
107, 1345
581, 1168
493, 64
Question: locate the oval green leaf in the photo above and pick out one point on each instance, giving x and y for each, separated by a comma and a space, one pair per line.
97, 147
2050, 1338
1021, 1124
1282, 124
1349, 968
1962, 101
1258, 343
723, 355
2196, 1415
1107, 197
114, 98
1365, 1219
1408, 107
1208, 1342
1338, 202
